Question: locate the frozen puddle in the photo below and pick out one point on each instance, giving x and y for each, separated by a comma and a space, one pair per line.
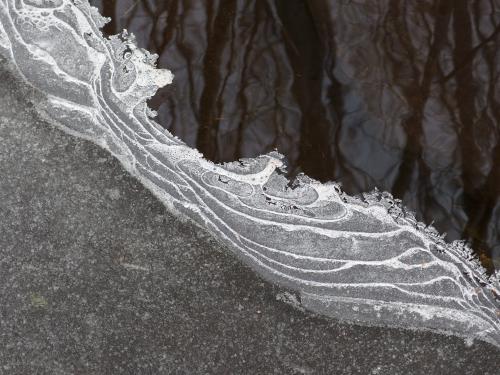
364, 260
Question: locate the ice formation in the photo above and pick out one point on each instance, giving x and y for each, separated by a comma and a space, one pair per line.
361, 259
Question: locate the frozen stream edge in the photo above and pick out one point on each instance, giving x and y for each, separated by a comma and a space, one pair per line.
360, 259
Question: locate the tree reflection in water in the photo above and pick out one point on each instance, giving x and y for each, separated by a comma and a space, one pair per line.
399, 95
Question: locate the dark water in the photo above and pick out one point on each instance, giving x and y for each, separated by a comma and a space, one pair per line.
399, 95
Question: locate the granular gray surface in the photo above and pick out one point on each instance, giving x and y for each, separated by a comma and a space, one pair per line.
96, 277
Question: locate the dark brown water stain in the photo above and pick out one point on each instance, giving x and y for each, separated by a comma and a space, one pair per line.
399, 95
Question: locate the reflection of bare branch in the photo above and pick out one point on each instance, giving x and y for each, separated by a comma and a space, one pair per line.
108, 10
417, 93
130, 15
171, 23
153, 14
134, 4
242, 99
306, 55
469, 57
219, 21
480, 193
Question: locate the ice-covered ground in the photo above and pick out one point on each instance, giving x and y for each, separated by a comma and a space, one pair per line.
362, 259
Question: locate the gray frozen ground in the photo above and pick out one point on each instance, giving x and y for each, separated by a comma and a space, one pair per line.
359, 259
96, 277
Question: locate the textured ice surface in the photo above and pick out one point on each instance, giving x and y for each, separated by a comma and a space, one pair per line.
362, 259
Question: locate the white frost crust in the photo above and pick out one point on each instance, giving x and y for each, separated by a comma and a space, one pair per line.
363, 259
4, 39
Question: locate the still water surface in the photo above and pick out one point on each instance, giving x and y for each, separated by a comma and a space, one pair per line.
399, 95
